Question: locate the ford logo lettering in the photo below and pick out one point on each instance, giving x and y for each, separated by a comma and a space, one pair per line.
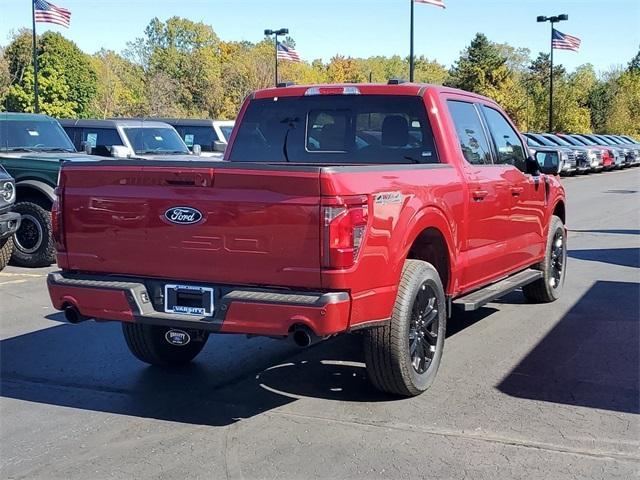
178, 338
183, 215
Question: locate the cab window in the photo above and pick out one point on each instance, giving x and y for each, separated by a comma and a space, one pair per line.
508, 145
471, 136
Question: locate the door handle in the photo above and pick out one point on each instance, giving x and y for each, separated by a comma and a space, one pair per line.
516, 191
479, 194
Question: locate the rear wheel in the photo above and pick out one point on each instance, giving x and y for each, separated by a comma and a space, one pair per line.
6, 247
33, 241
549, 287
149, 344
403, 357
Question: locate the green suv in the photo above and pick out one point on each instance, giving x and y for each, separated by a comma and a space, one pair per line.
32, 147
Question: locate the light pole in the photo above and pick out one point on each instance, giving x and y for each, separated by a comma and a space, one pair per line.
275, 33
552, 20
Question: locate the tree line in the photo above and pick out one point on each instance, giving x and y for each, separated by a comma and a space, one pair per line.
181, 68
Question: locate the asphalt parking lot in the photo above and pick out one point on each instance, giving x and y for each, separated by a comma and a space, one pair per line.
524, 391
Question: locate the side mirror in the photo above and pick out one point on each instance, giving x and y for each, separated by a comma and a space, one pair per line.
548, 162
532, 166
120, 151
219, 146
87, 148
196, 150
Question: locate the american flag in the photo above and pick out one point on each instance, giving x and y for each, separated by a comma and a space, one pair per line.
287, 53
46, 12
562, 41
437, 3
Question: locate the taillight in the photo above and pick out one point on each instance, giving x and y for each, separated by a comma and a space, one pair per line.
57, 224
344, 228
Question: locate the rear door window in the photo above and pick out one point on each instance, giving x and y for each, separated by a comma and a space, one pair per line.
101, 139
471, 135
204, 136
336, 129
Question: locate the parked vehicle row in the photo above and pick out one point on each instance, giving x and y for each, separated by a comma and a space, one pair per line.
584, 153
9, 220
32, 148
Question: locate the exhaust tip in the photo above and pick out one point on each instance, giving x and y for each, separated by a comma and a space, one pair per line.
302, 337
72, 315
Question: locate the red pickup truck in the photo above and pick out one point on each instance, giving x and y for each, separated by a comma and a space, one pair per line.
338, 208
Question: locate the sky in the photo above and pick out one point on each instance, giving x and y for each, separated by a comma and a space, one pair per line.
609, 29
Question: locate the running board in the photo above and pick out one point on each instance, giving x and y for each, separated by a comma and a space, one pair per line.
477, 299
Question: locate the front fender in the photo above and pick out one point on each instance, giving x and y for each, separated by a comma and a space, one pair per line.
44, 188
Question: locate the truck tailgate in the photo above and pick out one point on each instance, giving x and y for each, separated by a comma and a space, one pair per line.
259, 226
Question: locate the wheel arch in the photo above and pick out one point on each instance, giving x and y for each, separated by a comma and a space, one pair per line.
559, 210
432, 241
30, 189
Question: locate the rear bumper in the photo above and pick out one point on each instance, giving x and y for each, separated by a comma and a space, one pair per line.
237, 310
9, 224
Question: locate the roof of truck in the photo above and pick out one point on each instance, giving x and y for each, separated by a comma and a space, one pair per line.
406, 88
197, 122
25, 116
112, 123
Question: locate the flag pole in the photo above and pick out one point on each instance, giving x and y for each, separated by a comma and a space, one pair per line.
551, 85
35, 58
411, 46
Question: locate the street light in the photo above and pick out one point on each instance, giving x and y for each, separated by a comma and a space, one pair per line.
552, 20
276, 33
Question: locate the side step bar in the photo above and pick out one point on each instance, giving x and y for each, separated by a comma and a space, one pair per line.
477, 299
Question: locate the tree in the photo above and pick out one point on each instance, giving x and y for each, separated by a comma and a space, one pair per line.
120, 88
188, 53
344, 70
5, 78
634, 64
480, 65
66, 77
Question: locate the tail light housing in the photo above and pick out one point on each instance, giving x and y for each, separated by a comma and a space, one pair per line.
344, 227
57, 223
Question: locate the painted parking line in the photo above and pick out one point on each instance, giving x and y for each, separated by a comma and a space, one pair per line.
33, 275
12, 282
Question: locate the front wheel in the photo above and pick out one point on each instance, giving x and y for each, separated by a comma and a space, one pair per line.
6, 247
553, 267
403, 357
33, 241
149, 344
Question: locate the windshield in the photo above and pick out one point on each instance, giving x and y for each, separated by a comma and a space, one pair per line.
558, 140
155, 140
37, 135
532, 141
594, 140
580, 141
542, 140
335, 129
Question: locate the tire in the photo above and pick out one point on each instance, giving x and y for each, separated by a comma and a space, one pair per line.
33, 241
388, 349
6, 248
148, 344
549, 287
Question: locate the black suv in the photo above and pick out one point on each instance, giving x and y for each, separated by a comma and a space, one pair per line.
9, 221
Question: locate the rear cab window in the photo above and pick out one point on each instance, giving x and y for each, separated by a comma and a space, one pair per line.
336, 129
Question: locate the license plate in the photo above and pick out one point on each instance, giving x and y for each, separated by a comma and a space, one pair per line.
188, 300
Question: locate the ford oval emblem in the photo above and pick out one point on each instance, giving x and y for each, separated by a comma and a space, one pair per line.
183, 215
176, 337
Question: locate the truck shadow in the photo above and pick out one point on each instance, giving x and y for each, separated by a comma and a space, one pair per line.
88, 367
591, 358
626, 257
